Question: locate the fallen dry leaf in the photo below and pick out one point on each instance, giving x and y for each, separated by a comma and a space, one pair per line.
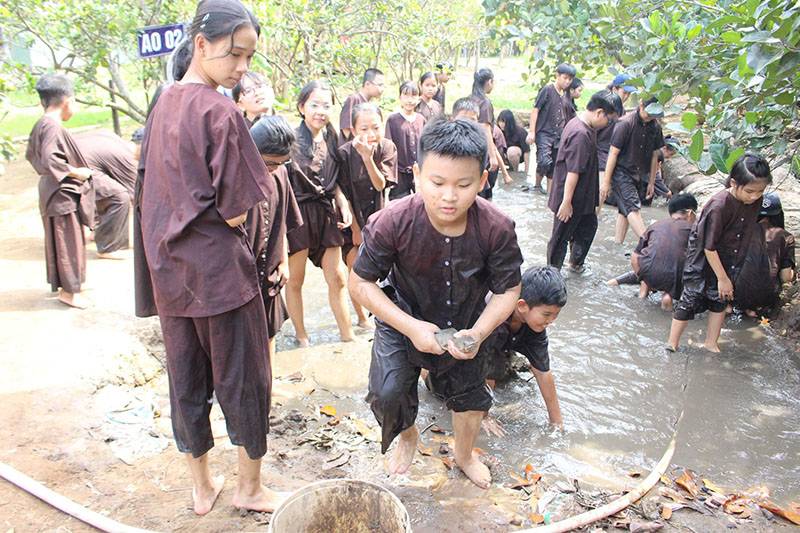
665, 480
622, 523
447, 462
666, 512
672, 494
365, 431
536, 518
336, 461
424, 450
712, 487
530, 475
686, 482
328, 410
436, 429
747, 513
788, 514
644, 527
634, 474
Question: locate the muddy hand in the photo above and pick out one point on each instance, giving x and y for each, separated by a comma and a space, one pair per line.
464, 345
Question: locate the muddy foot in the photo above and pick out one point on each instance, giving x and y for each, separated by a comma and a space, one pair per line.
303, 342
73, 300
118, 256
612, 283
403, 454
476, 471
671, 348
204, 500
366, 324
262, 501
713, 348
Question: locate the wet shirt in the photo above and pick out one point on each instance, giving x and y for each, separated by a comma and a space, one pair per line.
780, 249
108, 153
604, 143
636, 140
312, 172
51, 151
346, 115
518, 139
405, 135
199, 168
355, 182
436, 278
531, 344
430, 110
578, 153
551, 119
662, 254
485, 109
267, 225
570, 107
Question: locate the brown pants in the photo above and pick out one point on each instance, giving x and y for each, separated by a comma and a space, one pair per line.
65, 252
113, 210
226, 354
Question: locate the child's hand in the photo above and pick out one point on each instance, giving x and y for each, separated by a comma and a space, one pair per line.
283, 274
564, 212
531, 138
423, 338
459, 354
725, 289
651, 190
361, 146
347, 214
605, 188
82, 173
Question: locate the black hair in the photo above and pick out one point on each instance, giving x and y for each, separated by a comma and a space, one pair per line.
305, 140
180, 59
255, 77
369, 75
465, 104
602, 100
217, 19
479, 80
409, 87
682, 202
543, 285
425, 76
651, 100
747, 169
366, 107
576, 82
454, 139
509, 123
566, 68
273, 136
53, 89
619, 109
776, 221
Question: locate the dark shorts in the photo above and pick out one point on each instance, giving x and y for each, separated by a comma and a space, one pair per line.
626, 191
699, 294
394, 377
318, 232
659, 190
546, 152
224, 354
276, 312
486, 193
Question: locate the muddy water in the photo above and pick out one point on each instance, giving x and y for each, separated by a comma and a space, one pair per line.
620, 390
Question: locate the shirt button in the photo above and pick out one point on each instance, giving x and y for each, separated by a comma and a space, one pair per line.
447, 263
448, 302
449, 323
447, 239
736, 251
447, 283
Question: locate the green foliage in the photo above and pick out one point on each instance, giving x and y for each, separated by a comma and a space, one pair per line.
730, 66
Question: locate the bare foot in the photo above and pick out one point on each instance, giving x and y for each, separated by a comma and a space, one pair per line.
476, 471
366, 324
714, 348
73, 300
403, 454
303, 342
110, 255
612, 283
204, 500
666, 302
262, 500
671, 347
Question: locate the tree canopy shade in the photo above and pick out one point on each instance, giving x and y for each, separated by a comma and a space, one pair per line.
731, 66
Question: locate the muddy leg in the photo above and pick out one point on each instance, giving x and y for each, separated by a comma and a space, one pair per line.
250, 493
715, 321
675, 333
403, 454
466, 426
205, 489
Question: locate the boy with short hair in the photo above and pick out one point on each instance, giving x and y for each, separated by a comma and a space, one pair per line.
444, 69
574, 196
659, 257
547, 123
441, 251
254, 96
543, 295
632, 158
66, 194
371, 87
620, 86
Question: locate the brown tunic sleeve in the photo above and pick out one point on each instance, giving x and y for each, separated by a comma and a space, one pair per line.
505, 257
379, 250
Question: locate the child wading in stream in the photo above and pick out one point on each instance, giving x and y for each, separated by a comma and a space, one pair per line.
441, 252
717, 249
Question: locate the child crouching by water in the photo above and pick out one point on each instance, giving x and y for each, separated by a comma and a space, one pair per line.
716, 249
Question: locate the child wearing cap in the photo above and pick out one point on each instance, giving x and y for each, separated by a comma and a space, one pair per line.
547, 123
632, 159
659, 257
620, 86
780, 243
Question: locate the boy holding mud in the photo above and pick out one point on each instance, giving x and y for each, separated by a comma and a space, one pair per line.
440, 251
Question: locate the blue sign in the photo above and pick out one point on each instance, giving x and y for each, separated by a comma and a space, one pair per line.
159, 40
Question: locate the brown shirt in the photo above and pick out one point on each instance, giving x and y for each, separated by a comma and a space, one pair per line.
267, 224
430, 110
346, 115
485, 109
199, 168
405, 135
551, 119
313, 170
499, 139
439, 96
604, 143
437, 278
636, 140
662, 254
356, 183
570, 107
51, 151
578, 153
108, 153
780, 249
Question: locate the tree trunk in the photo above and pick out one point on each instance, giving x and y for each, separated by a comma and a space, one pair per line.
477, 53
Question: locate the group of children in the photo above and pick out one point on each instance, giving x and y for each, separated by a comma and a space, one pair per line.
230, 202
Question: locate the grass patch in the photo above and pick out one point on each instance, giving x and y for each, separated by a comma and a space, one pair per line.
19, 122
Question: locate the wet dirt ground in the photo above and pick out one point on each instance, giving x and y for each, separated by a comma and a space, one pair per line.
83, 392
